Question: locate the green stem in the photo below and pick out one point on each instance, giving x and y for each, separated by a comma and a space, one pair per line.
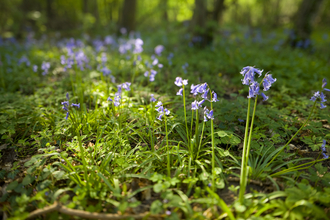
200, 140
196, 131
185, 114
213, 156
241, 193
168, 153
310, 114
245, 165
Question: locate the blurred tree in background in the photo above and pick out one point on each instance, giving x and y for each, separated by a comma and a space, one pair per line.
204, 16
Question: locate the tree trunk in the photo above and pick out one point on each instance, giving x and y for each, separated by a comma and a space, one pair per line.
219, 7
128, 15
198, 23
49, 12
164, 9
85, 6
303, 23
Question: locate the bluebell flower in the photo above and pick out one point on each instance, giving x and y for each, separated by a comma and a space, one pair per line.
322, 96
75, 105
67, 96
35, 68
201, 102
159, 103
45, 67
253, 90
184, 67
109, 99
214, 97
159, 49
315, 96
208, 114
194, 105
264, 96
204, 96
116, 101
168, 212
126, 86
324, 83
160, 65
324, 150
65, 105
268, 81
180, 92
240, 120
249, 73
105, 71
322, 106
154, 62
152, 99
161, 110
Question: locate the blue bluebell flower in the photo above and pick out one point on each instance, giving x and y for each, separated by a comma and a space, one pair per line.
45, 67
159, 49
35, 68
268, 81
152, 99
249, 72
161, 110
208, 114
324, 150
264, 96
179, 82
253, 90
75, 105
324, 84
214, 97
194, 105
315, 96
180, 92
240, 120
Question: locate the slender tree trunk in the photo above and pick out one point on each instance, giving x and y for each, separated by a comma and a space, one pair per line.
164, 9
219, 7
85, 6
127, 19
277, 13
303, 23
49, 12
198, 23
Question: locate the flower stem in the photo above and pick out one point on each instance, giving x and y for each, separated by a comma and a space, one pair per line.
168, 153
213, 156
241, 193
185, 114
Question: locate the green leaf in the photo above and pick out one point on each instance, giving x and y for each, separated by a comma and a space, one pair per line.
156, 207
59, 174
12, 185
28, 179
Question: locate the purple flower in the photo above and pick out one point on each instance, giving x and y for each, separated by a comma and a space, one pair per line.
161, 110
324, 83
179, 92
323, 145
264, 96
322, 106
214, 97
152, 99
201, 102
155, 62
159, 103
194, 105
268, 81
253, 90
204, 96
76, 105
208, 114
65, 105
105, 71
168, 212
45, 67
67, 96
322, 96
126, 86
160, 65
160, 117
109, 99
315, 96
240, 120
35, 68
178, 81
117, 101
249, 73
159, 49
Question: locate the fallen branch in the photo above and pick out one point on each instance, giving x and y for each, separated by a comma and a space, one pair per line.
89, 215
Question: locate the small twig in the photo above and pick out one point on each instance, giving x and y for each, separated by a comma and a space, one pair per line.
89, 215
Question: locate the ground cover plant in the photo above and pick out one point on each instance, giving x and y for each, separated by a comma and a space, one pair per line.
131, 127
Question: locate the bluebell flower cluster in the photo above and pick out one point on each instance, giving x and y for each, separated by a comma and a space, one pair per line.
203, 90
249, 74
159, 49
66, 105
320, 95
161, 110
152, 99
169, 58
35, 68
180, 82
324, 150
151, 74
25, 60
45, 67
117, 98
